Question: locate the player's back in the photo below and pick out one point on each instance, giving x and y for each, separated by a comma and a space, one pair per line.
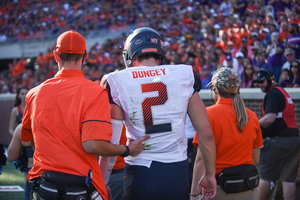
155, 101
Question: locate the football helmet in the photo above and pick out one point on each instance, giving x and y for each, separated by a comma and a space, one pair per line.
142, 41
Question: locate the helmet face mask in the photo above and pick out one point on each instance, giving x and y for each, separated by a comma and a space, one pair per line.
142, 41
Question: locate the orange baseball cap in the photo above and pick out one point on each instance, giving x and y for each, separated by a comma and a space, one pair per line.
71, 42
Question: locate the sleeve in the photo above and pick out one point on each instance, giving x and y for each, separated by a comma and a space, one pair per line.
107, 163
104, 84
258, 142
26, 133
109, 94
198, 83
96, 123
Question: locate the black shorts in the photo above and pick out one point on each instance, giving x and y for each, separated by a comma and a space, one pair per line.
279, 159
160, 182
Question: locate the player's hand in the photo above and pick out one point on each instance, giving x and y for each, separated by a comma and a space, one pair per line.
136, 146
208, 186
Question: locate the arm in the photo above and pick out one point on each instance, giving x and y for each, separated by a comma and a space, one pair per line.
271, 2
197, 173
255, 155
278, 50
12, 122
107, 163
105, 148
200, 121
15, 147
267, 120
296, 85
269, 48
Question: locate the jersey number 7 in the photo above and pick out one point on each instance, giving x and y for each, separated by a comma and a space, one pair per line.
154, 101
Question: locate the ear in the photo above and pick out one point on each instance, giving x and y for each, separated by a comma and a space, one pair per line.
85, 56
56, 55
158, 62
134, 62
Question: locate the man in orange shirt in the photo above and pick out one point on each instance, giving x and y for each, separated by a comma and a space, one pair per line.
68, 119
284, 32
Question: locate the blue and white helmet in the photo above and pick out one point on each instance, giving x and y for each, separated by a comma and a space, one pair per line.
142, 41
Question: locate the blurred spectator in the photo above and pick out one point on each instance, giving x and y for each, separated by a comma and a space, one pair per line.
230, 61
286, 77
284, 32
277, 5
206, 76
220, 54
240, 6
240, 67
255, 49
17, 67
295, 68
3, 37
247, 46
41, 60
267, 38
275, 55
261, 63
248, 75
230, 48
225, 8
289, 54
293, 41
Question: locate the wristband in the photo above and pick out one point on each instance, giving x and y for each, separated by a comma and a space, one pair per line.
126, 153
193, 195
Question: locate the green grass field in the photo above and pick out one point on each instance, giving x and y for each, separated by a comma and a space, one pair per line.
12, 176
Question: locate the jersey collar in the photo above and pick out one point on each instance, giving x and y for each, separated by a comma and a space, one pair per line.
225, 101
69, 73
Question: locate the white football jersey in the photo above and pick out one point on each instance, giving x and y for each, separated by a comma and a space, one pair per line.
154, 100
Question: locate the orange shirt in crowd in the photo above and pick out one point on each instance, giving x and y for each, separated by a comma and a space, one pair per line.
18, 68
61, 114
49, 56
283, 35
41, 61
233, 148
295, 20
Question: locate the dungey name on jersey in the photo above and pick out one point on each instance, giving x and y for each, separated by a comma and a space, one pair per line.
148, 73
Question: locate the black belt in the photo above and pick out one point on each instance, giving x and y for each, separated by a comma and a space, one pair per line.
115, 171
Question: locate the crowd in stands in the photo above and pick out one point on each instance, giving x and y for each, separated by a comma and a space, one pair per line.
246, 35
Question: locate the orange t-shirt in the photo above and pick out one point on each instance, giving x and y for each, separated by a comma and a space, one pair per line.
233, 148
18, 68
283, 35
60, 115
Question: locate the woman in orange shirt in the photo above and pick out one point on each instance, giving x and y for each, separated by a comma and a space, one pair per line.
237, 133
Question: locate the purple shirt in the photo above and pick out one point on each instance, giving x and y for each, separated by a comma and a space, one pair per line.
278, 5
289, 83
294, 39
274, 59
266, 65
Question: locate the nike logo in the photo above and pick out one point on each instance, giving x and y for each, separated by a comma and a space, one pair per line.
125, 177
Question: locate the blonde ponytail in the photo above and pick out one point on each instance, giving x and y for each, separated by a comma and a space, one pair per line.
241, 112
238, 103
